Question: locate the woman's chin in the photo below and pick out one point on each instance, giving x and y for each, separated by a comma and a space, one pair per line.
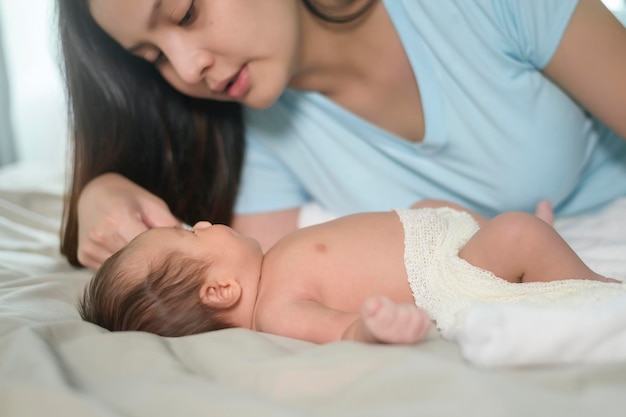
259, 101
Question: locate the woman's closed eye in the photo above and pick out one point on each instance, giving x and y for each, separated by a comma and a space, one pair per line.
190, 16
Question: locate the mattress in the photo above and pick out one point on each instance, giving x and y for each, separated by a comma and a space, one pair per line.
52, 363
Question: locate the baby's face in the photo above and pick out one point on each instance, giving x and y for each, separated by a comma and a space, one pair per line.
228, 252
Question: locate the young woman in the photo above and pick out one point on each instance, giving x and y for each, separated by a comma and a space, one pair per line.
359, 105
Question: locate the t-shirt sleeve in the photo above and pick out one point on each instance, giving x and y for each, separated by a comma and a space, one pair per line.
266, 183
536, 27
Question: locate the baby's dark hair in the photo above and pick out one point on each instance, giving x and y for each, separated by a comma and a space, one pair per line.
165, 299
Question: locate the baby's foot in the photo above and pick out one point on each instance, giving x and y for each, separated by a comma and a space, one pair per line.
388, 322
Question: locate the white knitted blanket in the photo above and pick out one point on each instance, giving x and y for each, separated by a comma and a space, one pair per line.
515, 335
504, 335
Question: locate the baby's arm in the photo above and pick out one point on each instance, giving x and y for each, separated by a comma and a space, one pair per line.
380, 321
383, 321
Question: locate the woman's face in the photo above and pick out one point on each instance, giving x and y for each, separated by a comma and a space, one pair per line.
230, 50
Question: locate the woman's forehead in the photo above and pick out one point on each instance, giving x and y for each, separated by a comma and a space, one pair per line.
125, 20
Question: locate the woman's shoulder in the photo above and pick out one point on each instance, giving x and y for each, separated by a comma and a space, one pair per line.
523, 27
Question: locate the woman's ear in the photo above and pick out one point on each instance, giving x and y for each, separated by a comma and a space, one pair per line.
220, 294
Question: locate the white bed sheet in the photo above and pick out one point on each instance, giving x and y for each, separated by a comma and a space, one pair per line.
53, 364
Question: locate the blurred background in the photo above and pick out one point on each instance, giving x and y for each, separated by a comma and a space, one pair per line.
33, 121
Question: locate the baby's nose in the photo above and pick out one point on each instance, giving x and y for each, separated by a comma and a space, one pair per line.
201, 225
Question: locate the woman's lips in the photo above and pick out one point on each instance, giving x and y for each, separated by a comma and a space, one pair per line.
240, 84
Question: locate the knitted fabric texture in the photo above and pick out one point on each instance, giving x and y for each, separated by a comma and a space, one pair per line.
447, 286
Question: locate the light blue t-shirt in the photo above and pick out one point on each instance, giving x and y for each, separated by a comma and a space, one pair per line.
498, 135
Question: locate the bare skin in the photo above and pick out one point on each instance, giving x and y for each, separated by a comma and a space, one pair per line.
346, 279
322, 301
112, 191
588, 64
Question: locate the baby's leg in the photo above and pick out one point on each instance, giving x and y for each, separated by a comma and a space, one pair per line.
519, 247
387, 322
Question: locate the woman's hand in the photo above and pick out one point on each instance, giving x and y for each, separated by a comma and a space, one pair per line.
112, 210
544, 211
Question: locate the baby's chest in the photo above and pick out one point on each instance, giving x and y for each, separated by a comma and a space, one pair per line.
343, 279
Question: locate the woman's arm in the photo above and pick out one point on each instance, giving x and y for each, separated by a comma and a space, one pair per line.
590, 63
481, 220
543, 210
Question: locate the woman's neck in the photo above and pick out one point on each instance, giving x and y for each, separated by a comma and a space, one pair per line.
333, 54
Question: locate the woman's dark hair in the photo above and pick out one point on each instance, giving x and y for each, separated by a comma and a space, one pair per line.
125, 118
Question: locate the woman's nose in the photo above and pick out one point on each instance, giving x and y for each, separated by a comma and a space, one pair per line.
201, 225
190, 65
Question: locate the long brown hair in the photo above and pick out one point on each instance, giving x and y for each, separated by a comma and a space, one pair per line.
125, 118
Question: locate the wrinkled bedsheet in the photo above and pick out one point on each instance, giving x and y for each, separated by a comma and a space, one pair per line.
53, 364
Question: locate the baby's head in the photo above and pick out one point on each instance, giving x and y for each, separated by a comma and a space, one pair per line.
174, 282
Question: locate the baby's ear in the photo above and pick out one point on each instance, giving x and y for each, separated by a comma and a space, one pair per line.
220, 294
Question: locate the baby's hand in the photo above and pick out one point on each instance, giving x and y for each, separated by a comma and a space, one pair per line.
387, 322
